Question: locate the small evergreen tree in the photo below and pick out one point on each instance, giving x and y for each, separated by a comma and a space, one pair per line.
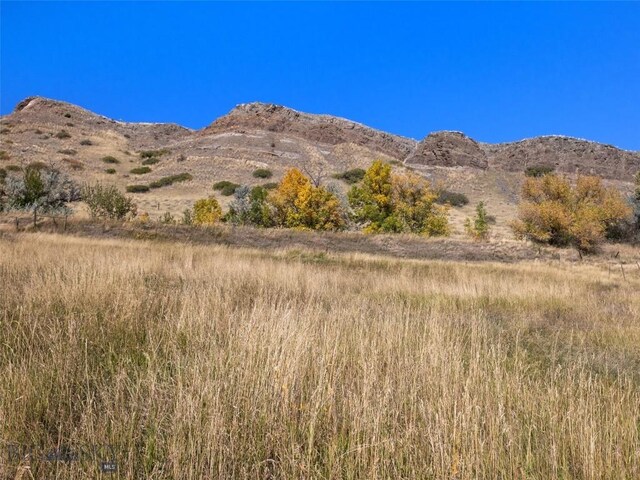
187, 217
478, 227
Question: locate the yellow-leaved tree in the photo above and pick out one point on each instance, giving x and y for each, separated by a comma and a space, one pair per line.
206, 211
371, 201
297, 203
387, 202
414, 207
555, 212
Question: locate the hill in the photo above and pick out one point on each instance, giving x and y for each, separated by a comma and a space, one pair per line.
258, 135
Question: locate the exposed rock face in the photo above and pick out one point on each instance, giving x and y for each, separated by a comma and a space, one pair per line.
322, 129
565, 154
448, 149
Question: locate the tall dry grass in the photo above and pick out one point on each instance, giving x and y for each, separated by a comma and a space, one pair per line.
209, 362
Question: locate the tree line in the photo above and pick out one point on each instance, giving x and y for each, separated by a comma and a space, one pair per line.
552, 210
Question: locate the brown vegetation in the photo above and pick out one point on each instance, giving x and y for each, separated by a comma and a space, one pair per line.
214, 362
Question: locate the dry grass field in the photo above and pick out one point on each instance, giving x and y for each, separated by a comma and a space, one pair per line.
198, 362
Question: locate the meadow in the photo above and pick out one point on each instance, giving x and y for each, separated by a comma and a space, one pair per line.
209, 361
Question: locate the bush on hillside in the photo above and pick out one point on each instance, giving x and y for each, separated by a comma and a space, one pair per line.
68, 151
140, 170
262, 173
536, 171
146, 154
225, 187
351, 176
107, 202
170, 180
62, 134
137, 188
455, 199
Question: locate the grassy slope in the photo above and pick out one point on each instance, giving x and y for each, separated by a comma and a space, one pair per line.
216, 362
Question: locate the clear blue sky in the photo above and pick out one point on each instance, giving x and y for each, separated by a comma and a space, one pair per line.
497, 71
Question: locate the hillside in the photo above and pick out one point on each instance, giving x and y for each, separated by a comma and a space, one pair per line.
258, 135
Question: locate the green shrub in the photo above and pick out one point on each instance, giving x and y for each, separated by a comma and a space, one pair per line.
153, 153
140, 170
538, 170
478, 226
137, 188
4, 155
187, 217
221, 184
269, 185
3, 174
164, 181
86, 141
110, 159
150, 161
110, 171
13, 168
63, 134
249, 207
68, 151
225, 187
351, 176
455, 199
229, 189
107, 202
262, 173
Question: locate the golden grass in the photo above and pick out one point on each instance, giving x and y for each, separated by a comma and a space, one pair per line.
212, 362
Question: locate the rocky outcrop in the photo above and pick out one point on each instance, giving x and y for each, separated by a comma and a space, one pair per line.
321, 129
448, 149
565, 154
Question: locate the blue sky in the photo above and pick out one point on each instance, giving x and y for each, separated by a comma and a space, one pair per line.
497, 71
